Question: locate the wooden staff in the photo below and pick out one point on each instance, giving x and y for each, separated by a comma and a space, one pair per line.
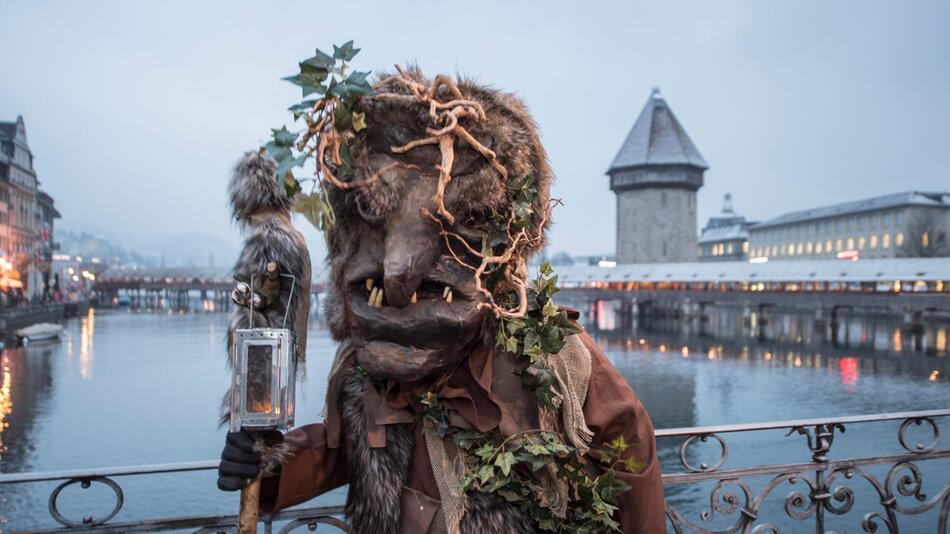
250, 508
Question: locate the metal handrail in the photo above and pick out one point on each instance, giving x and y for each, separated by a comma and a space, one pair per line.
207, 465
40, 476
796, 423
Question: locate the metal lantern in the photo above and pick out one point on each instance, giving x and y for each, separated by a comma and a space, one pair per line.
263, 374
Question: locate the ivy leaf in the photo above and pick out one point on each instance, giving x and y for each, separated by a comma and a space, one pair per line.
321, 60
485, 452
354, 86
309, 82
633, 465
343, 117
619, 444
549, 309
485, 473
511, 344
496, 484
346, 52
283, 137
545, 269
306, 105
509, 495
284, 167
505, 460
291, 185
309, 207
359, 121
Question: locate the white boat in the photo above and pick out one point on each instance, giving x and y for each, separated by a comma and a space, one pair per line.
39, 332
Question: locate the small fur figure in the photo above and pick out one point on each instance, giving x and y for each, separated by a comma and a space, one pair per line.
272, 247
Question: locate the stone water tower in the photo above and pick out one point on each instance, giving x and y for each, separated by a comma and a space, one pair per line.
656, 175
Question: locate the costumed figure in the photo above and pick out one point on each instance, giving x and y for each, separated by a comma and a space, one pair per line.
461, 399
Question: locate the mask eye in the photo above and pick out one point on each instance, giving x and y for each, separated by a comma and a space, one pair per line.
471, 225
374, 202
399, 135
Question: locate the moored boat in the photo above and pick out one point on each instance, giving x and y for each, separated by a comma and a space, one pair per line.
39, 332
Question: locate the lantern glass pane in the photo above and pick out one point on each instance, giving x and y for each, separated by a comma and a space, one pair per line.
259, 378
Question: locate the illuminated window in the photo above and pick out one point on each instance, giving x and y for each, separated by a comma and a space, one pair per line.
850, 243
873, 240
809, 248
828, 246
925, 239
800, 248
729, 249
745, 247
886, 240
899, 238
838, 246
861, 241
818, 248
775, 250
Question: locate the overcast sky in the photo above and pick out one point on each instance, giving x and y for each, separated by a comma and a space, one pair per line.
136, 111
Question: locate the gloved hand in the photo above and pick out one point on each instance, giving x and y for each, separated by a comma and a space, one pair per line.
239, 465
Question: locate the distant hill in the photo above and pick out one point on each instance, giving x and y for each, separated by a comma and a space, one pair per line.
185, 250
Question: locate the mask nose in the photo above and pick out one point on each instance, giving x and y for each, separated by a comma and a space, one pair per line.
410, 254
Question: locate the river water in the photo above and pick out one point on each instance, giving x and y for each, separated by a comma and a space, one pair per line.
126, 388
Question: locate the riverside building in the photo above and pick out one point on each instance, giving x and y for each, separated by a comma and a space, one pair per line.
26, 216
906, 224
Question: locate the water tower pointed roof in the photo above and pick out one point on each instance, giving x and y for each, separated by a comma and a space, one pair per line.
657, 138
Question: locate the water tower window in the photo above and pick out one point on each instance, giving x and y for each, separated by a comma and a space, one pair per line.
663, 202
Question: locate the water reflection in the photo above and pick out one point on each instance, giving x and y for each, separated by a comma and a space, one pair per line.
86, 339
166, 373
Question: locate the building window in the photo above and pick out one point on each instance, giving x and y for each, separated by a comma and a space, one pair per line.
886, 241
775, 250
828, 246
818, 248
663, 202
850, 243
899, 238
745, 247
873, 240
800, 248
809, 248
898, 219
729, 249
925, 239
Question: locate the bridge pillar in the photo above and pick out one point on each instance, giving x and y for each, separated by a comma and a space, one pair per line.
914, 327
821, 322
763, 320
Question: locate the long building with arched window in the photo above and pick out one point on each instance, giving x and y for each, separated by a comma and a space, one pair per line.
906, 224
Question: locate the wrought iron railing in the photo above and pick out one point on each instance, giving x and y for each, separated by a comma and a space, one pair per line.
822, 488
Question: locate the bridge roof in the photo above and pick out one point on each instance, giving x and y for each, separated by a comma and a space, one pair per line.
869, 270
168, 272
657, 138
